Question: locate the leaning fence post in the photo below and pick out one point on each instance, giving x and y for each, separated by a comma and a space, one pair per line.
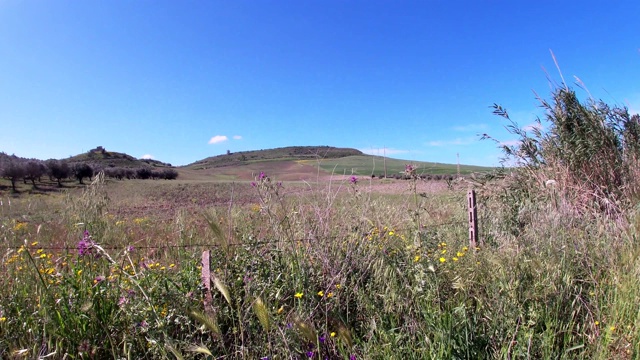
206, 280
473, 219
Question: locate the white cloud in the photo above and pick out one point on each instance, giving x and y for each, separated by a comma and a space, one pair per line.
510, 143
218, 139
146, 156
383, 151
237, 137
470, 127
533, 126
457, 141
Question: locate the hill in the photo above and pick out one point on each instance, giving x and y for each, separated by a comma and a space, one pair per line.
100, 156
310, 163
279, 154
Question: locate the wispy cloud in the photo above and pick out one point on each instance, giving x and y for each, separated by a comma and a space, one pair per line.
384, 151
457, 141
533, 126
237, 137
510, 143
218, 139
147, 156
470, 128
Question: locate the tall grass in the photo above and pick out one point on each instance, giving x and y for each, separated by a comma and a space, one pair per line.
342, 272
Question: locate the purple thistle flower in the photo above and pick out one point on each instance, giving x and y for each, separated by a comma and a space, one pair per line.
85, 245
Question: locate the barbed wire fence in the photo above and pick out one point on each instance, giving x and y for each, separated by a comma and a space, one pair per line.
472, 223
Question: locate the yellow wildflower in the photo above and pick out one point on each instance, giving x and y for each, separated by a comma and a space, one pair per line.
3, 319
454, 258
321, 293
329, 294
281, 310
333, 334
443, 260
416, 258
298, 295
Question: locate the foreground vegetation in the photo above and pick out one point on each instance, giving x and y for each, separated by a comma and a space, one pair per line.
341, 272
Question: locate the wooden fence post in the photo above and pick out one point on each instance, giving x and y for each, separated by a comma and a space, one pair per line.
473, 219
206, 280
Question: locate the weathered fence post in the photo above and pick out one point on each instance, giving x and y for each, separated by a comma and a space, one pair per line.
473, 219
206, 280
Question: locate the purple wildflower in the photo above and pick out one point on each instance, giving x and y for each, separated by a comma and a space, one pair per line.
130, 248
262, 175
309, 354
322, 338
98, 279
353, 180
85, 245
253, 183
352, 357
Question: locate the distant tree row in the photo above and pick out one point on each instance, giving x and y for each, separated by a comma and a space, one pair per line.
31, 170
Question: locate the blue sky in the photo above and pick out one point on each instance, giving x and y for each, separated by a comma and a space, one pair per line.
184, 80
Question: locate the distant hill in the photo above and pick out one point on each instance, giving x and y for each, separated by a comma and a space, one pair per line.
277, 154
100, 156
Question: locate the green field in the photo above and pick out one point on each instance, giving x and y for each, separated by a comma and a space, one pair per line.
366, 165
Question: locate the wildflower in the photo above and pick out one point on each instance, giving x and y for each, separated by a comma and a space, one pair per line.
338, 286
309, 354
353, 180
172, 265
253, 183
442, 260
597, 323
465, 248
281, 309
43, 256
454, 258
3, 319
123, 300
416, 258
79, 272
333, 334
352, 357
322, 338
612, 328
98, 279
34, 243
459, 254
298, 295
85, 246
130, 248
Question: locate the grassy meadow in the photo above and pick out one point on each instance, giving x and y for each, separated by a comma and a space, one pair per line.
355, 268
